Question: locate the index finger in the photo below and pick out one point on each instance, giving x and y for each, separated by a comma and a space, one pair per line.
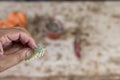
23, 37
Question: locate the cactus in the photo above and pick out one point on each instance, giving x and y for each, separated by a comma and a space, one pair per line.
38, 52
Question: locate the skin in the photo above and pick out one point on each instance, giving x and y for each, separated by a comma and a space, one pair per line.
15, 44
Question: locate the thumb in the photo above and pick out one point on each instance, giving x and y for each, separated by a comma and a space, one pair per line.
15, 58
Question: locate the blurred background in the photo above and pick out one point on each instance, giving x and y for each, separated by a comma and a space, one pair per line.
82, 40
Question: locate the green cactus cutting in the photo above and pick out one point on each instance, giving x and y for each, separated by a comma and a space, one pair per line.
38, 52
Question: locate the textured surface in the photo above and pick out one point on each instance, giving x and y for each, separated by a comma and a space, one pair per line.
99, 25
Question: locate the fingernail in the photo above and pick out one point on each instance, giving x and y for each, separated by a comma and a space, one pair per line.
33, 46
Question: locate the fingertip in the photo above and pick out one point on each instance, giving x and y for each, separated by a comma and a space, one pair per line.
25, 38
1, 49
24, 54
1, 54
32, 44
21, 55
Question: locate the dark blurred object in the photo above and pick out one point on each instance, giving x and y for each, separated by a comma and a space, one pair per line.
77, 49
53, 28
76, 44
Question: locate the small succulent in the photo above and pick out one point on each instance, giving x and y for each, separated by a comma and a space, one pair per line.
38, 52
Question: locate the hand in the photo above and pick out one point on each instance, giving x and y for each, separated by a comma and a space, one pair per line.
15, 43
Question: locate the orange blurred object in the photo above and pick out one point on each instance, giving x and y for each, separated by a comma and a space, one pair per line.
1, 23
22, 19
5, 24
17, 18
9, 24
14, 19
